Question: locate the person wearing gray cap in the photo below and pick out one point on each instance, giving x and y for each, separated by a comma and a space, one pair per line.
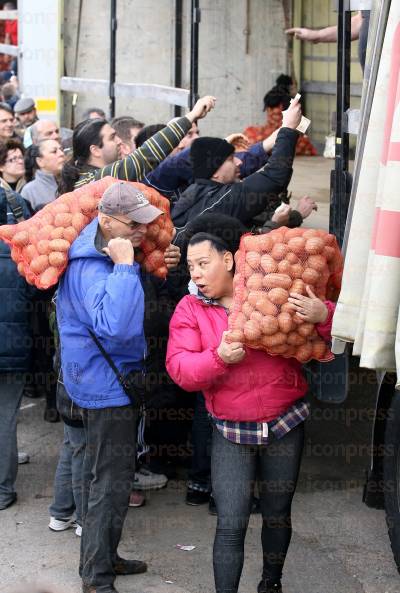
100, 297
25, 112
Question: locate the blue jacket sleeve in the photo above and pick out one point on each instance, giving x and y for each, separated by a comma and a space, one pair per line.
171, 173
115, 303
252, 160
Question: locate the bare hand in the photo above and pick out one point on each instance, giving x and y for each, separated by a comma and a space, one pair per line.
230, 353
292, 116
281, 214
303, 34
305, 206
172, 256
201, 108
120, 250
239, 141
310, 308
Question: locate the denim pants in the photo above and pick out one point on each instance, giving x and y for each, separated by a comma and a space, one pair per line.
108, 471
234, 471
69, 473
200, 471
11, 388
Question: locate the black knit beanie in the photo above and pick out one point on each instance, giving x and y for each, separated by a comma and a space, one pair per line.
207, 155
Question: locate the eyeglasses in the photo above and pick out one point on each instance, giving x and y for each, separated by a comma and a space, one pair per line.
15, 159
132, 225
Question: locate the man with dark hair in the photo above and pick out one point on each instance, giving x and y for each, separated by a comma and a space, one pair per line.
7, 123
127, 129
93, 113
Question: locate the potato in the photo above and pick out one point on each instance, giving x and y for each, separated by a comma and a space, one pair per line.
21, 238
273, 340
279, 251
310, 276
251, 330
318, 349
63, 219
49, 277
269, 325
291, 233
306, 329
287, 308
163, 239
247, 309
309, 233
39, 264
8, 231
297, 271
152, 231
292, 258
247, 270
254, 282
297, 245
268, 264
278, 296
43, 247
264, 305
298, 286
254, 296
314, 245
257, 317
29, 252
277, 280
253, 258
79, 221
57, 232
154, 260
70, 234
295, 339
284, 267
304, 352
44, 232
279, 349
328, 253
59, 245
285, 322
317, 262
257, 242
147, 246
59, 207
58, 258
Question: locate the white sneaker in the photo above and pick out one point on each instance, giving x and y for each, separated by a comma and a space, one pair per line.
61, 524
147, 480
78, 530
22, 457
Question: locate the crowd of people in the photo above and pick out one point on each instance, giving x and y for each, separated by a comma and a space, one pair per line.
88, 345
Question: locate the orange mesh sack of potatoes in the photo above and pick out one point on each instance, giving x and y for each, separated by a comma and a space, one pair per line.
40, 245
268, 268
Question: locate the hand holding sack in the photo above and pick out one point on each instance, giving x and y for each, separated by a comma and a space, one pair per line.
40, 245
268, 268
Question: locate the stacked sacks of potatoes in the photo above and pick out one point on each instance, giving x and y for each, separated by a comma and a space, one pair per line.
40, 245
268, 268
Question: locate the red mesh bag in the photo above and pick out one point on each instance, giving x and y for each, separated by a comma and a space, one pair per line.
40, 245
268, 268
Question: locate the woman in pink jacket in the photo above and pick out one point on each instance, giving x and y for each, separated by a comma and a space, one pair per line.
256, 406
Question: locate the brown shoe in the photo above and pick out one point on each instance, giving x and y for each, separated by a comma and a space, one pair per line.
124, 567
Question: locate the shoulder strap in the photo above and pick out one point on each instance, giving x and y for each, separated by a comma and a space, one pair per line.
15, 206
108, 359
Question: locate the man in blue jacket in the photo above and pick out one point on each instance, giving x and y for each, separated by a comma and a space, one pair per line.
15, 348
101, 292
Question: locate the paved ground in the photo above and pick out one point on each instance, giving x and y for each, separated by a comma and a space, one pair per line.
338, 546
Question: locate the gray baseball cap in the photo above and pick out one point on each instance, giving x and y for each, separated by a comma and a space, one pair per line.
124, 198
24, 105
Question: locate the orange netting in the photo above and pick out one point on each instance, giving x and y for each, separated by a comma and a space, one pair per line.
268, 268
40, 245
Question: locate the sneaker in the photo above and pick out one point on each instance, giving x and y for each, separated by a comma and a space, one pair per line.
5, 505
78, 530
22, 457
61, 524
147, 480
264, 587
137, 499
195, 498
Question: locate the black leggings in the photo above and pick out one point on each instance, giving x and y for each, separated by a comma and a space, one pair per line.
234, 471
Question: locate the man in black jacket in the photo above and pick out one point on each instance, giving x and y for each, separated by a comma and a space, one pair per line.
217, 187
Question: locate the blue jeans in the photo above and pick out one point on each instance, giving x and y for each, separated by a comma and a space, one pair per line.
235, 469
11, 388
68, 478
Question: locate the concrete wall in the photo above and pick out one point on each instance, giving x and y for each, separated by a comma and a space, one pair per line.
145, 53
